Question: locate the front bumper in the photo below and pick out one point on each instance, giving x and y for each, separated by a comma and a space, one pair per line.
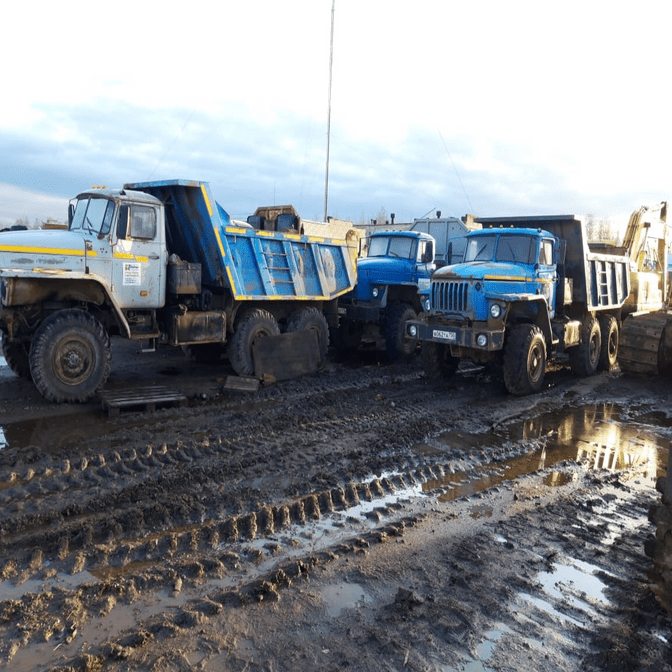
479, 336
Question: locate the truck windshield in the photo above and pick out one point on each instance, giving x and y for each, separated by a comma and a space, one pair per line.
480, 248
93, 215
519, 249
392, 246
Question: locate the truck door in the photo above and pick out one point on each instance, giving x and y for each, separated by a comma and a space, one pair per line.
547, 273
139, 273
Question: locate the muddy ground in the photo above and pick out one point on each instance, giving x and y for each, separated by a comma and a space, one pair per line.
359, 518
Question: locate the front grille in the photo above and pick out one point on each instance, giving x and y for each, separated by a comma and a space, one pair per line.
449, 296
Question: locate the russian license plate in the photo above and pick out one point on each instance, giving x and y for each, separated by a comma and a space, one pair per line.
444, 335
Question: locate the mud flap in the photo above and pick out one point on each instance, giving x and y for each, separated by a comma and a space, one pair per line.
286, 356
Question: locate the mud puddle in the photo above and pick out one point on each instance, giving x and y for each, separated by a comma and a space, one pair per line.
598, 437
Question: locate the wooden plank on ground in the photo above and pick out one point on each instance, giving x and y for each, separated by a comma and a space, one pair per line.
140, 399
241, 383
286, 356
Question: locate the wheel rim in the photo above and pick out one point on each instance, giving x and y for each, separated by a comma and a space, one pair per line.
535, 363
612, 345
594, 348
73, 360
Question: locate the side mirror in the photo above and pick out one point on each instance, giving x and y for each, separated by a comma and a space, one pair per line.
428, 256
71, 213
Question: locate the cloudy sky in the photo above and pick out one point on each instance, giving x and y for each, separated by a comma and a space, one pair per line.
484, 107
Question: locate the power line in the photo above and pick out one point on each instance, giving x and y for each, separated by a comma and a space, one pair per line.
471, 207
160, 161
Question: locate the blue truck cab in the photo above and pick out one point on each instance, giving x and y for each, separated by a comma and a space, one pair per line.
499, 267
528, 288
393, 281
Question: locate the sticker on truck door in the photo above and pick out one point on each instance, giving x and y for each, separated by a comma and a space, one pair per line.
444, 335
132, 273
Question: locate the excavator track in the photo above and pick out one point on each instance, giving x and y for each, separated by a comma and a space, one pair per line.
639, 350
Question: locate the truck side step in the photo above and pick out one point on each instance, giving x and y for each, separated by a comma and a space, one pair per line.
143, 399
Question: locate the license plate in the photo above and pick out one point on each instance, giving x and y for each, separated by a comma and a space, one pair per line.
444, 335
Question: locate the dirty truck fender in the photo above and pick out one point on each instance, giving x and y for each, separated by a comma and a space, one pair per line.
38, 286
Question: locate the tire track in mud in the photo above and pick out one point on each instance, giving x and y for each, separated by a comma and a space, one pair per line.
100, 543
479, 597
49, 489
159, 513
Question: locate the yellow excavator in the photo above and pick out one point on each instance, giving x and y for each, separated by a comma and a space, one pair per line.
645, 346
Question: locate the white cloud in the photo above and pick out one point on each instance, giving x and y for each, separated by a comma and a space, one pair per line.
16, 203
500, 108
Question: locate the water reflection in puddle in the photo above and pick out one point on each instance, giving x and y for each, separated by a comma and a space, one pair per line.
594, 436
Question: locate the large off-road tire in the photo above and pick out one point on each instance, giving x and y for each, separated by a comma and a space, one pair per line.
524, 361
437, 360
251, 326
16, 355
205, 353
609, 347
70, 357
312, 319
397, 345
585, 357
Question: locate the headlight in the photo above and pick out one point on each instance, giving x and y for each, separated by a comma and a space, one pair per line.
495, 310
426, 305
375, 292
481, 340
412, 331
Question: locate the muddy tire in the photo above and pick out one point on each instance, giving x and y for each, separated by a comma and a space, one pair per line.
205, 353
437, 360
524, 365
251, 326
70, 357
397, 345
585, 357
609, 346
17, 356
312, 319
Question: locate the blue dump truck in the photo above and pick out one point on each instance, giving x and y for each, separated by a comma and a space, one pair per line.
163, 264
392, 286
528, 288
393, 283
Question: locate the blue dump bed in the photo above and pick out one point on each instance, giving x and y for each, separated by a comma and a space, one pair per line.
252, 264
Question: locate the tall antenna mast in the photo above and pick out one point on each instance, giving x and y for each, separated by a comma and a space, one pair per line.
331, 63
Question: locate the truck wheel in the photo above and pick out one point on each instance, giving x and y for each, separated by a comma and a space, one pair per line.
437, 360
585, 357
204, 353
524, 364
312, 319
254, 324
70, 357
397, 345
16, 355
609, 347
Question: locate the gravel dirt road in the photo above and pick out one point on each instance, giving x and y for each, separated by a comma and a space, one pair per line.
360, 518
